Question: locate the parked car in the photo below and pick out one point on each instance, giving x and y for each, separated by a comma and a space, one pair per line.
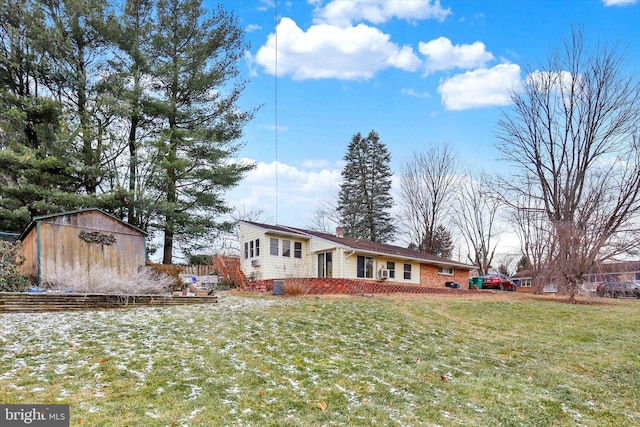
618, 289
498, 281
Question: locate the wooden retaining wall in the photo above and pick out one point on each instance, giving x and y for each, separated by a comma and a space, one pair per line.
35, 302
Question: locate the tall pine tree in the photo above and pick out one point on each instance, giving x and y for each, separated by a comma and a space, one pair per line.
35, 176
195, 70
365, 198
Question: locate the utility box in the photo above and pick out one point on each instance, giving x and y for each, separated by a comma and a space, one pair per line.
278, 287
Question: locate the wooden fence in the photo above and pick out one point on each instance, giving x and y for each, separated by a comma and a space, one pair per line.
35, 302
199, 270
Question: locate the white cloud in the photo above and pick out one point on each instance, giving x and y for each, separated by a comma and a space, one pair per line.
252, 27
548, 81
266, 5
315, 164
300, 190
412, 92
278, 128
619, 2
443, 55
327, 51
484, 87
344, 13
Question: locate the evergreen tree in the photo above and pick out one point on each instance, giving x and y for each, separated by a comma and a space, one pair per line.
365, 198
524, 264
441, 243
77, 48
132, 34
195, 69
134, 112
35, 177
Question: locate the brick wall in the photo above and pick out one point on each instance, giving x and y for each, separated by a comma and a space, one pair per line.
429, 277
358, 287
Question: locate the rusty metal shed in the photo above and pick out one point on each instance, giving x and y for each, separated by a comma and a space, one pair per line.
86, 238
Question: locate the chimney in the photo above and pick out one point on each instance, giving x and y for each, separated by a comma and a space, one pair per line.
339, 232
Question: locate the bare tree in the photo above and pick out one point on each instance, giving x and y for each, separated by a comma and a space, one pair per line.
531, 224
573, 133
427, 186
476, 218
227, 242
326, 217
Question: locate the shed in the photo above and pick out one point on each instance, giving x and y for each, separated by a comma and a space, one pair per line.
85, 239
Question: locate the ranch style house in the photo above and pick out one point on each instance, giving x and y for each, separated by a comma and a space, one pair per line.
278, 252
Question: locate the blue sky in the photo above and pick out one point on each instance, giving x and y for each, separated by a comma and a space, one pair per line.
418, 72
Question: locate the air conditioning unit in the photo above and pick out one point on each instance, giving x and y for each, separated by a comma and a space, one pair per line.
255, 263
383, 273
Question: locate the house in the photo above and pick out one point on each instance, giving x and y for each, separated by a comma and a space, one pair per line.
278, 252
85, 239
626, 271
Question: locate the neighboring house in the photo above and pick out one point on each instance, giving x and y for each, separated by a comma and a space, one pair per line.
84, 239
279, 252
628, 271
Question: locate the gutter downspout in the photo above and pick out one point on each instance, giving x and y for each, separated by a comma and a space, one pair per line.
344, 266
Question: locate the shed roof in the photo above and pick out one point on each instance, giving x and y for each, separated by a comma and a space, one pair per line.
40, 218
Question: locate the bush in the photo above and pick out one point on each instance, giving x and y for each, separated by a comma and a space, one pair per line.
295, 286
145, 281
10, 259
173, 271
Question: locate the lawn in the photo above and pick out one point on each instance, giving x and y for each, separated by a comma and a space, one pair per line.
507, 360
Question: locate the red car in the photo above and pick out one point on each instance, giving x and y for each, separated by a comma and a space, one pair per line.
498, 281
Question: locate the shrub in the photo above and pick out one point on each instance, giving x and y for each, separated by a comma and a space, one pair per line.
295, 286
10, 259
99, 280
173, 271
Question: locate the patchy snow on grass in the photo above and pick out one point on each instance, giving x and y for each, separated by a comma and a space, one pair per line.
291, 361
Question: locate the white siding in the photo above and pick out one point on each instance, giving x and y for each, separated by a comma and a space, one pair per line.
251, 233
380, 262
273, 266
345, 261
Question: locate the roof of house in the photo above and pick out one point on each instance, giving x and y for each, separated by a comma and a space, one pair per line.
361, 245
37, 219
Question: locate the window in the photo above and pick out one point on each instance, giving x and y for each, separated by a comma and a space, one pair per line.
391, 266
445, 270
525, 283
286, 248
246, 250
325, 264
251, 249
407, 272
257, 247
273, 246
297, 249
365, 267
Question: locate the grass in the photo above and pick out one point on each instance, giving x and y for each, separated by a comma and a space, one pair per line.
315, 361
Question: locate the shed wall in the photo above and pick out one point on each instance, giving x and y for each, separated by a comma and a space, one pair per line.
29, 250
61, 248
